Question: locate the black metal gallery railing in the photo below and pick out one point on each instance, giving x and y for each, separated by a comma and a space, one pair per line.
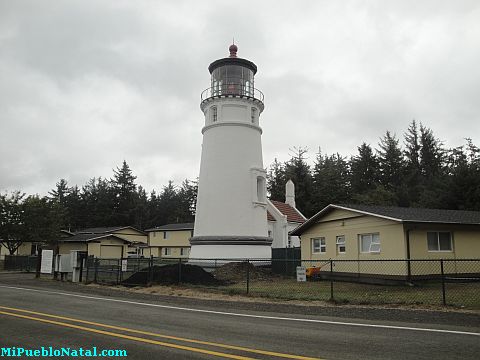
234, 89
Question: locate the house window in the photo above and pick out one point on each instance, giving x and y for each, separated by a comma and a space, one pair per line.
165, 235
214, 114
254, 115
341, 244
439, 241
319, 245
183, 251
167, 251
370, 243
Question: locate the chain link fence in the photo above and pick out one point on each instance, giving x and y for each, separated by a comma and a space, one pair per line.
27, 263
400, 282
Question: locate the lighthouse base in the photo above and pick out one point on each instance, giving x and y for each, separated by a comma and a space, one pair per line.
230, 248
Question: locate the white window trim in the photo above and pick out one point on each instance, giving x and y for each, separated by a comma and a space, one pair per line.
165, 252
360, 237
438, 242
321, 247
339, 244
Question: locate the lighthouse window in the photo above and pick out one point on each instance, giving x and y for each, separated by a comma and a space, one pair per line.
214, 113
254, 115
260, 189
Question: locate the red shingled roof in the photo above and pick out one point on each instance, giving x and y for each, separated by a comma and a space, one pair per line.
292, 214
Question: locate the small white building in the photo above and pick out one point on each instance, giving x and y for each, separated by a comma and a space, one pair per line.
283, 218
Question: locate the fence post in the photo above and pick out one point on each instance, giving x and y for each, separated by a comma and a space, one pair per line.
87, 265
39, 263
331, 280
443, 283
95, 276
179, 270
248, 276
119, 268
150, 271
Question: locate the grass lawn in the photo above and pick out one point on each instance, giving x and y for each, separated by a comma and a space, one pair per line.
457, 294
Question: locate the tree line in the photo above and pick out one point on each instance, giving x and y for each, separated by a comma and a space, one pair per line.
101, 202
421, 173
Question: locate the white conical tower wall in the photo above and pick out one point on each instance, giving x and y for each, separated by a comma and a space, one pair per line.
231, 200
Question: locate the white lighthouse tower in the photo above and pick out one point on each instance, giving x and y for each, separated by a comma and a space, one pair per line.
231, 213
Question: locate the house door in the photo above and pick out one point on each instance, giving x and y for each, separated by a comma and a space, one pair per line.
111, 251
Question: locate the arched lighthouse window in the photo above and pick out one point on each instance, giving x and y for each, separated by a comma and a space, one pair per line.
261, 189
254, 115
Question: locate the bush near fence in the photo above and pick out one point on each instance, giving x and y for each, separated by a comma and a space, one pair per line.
26, 263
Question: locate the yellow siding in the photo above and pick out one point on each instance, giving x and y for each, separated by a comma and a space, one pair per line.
175, 252
466, 245
111, 251
94, 249
392, 243
338, 214
179, 238
108, 248
24, 249
65, 248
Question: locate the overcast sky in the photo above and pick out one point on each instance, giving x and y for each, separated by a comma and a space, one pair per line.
87, 84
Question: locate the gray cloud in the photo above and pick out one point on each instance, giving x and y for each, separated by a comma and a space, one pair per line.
86, 84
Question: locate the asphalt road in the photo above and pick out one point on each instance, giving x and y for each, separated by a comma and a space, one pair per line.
43, 313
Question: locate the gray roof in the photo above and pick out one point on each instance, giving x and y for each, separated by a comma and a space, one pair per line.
90, 237
105, 230
421, 215
400, 214
173, 227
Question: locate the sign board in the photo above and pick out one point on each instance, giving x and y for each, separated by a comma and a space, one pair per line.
65, 263
124, 265
301, 273
47, 262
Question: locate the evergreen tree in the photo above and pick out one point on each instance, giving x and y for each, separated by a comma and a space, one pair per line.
363, 170
60, 193
463, 188
413, 179
299, 172
276, 181
391, 162
76, 211
125, 195
330, 181
187, 201
141, 209
100, 205
168, 204
431, 155
42, 219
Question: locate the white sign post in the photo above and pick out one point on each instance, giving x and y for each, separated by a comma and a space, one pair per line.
47, 262
124, 265
301, 273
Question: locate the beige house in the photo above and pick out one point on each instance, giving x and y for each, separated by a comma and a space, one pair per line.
106, 242
360, 232
30, 248
171, 240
